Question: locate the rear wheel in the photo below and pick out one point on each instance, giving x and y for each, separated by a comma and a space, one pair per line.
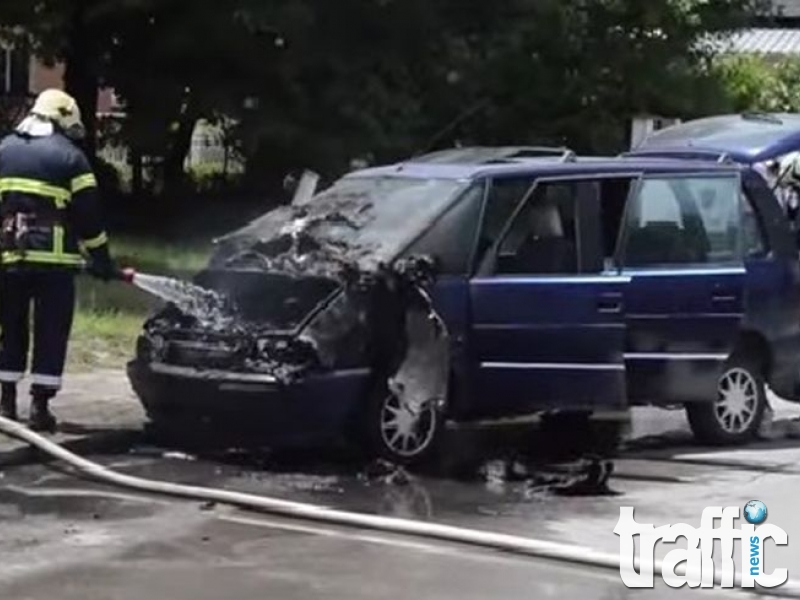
736, 414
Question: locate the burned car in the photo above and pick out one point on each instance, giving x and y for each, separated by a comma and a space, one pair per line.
488, 286
322, 315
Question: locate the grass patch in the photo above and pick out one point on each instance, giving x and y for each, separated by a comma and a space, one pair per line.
160, 256
109, 316
102, 340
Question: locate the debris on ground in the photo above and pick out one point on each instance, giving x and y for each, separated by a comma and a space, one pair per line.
587, 476
385, 472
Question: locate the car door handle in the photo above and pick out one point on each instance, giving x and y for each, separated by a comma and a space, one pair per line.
609, 307
724, 298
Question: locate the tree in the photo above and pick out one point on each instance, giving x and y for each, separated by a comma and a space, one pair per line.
179, 61
171, 61
754, 83
395, 77
77, 33
580, 70
316, 83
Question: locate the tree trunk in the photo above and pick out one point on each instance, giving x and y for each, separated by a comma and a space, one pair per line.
179, 147
81, 79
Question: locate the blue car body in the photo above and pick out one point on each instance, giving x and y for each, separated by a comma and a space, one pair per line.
746, 138
622, 336
752, 140
596, 337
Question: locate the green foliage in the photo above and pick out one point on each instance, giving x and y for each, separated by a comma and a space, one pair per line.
386, 78
315, 83
756, 84
103, 340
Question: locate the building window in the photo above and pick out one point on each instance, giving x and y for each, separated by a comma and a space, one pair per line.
14, 72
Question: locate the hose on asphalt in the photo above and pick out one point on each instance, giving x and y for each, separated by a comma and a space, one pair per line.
513, 544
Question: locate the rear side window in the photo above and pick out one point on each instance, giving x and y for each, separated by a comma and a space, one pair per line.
684, 220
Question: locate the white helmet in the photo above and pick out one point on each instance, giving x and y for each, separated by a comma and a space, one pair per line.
62, 109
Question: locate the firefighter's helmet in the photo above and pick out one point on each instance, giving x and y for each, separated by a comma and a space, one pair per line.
62, 109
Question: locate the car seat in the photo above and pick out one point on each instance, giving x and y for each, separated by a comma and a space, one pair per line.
658, 242
546, 249
664, 242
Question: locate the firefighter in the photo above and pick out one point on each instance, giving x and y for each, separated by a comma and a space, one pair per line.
51, 225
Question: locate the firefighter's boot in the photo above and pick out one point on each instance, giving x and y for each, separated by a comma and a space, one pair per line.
41, 419
8, 401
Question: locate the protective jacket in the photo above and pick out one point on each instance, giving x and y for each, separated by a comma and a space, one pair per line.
49, 207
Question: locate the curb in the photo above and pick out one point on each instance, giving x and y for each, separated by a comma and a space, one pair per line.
104, 442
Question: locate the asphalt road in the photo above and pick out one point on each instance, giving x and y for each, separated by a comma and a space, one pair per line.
68, 539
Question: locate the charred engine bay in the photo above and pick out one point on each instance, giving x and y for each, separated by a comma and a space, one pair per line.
305, 290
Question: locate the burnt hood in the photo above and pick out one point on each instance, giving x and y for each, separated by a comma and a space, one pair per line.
359, 224
267, 301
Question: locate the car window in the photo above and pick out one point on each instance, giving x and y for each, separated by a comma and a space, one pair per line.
452, 237
754, 238
542, 237
658, 204
719, 203
683, 220
504, 196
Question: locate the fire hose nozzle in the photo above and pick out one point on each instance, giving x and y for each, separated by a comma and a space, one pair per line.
127, 275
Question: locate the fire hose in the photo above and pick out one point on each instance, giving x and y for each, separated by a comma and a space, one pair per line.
512, 544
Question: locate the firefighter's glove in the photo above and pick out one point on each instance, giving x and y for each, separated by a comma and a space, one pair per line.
102, 266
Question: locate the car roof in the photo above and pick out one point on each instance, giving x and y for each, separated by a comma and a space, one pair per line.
747, 138
542, 167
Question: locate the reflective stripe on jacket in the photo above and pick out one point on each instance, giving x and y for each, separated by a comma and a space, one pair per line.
46, 183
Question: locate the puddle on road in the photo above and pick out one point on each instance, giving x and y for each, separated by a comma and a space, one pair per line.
17, 504
478, 477
493, 487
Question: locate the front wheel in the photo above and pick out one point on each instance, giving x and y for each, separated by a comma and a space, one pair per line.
736, 415
399, 431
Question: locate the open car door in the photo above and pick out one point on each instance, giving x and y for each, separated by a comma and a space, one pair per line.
548, 329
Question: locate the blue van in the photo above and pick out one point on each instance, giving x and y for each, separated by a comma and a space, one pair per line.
568, 286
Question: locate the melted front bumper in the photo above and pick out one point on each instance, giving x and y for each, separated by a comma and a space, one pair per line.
251, 405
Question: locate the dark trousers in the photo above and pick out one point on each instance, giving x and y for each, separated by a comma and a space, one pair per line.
51, 295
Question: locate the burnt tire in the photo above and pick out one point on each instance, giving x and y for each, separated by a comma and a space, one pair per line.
735, 416
400, 434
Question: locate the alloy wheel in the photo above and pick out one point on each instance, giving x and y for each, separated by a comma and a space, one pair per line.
737, 404
407, 430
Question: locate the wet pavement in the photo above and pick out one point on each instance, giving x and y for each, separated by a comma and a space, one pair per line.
68, 539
